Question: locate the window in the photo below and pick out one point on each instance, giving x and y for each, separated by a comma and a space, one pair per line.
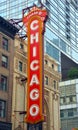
3, 85
67, 3
71, 98
61, 101
2, 108
54, 38
64, 100
46, 80
5, 44
46, 62
61, 114
62, 45
21, 46
52, 51
70, 112
67, 36
54, 3
54, 84
20, 66
4, 61
52, 66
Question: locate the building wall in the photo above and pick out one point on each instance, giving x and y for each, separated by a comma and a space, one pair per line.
69, 104
7, 34
51, 94
6, 94
19, 87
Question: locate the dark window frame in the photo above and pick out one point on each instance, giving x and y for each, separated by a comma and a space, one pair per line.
2, 108
4, 81
71, 98
21, 46
46, 80
46, 62
5, 43
53, 66
20, 66
54, 84
5, 63
70, 112
62, 114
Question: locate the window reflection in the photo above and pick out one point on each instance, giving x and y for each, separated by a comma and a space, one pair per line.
52, 51
74, 54
52, 37
63, 45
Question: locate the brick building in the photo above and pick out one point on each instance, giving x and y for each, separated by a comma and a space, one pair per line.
7, 33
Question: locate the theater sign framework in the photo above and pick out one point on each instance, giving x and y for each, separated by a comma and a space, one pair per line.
34, 23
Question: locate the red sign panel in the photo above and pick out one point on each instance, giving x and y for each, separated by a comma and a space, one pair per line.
34, 23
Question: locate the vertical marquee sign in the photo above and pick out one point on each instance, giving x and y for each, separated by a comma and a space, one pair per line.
34, 23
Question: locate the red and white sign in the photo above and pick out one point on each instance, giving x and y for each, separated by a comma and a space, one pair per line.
34, 23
